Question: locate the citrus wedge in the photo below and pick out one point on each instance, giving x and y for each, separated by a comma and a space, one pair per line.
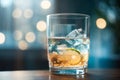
72, 55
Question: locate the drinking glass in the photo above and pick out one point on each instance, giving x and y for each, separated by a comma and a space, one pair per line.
68, 43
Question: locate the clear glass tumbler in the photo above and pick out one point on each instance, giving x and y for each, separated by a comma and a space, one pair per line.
68, 43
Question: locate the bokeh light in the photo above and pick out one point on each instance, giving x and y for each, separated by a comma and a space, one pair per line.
22, 45
5, 3
17, 13
41, 26
28, 13
18, 35
30, 37
101, 23
45, 4
2, 38
111, 15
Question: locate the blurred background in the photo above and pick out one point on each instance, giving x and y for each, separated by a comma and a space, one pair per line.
23, 31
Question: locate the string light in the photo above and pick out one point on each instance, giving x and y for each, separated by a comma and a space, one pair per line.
17, 13
28, 13
22, 45
41, 26
101, 23
30, 37
45, 4
2, 38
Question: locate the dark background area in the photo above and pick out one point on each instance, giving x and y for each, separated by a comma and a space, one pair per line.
104, 46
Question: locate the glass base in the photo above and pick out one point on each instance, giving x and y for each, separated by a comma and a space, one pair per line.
68, 71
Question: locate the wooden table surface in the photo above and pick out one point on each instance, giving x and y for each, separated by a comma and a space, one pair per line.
93, 74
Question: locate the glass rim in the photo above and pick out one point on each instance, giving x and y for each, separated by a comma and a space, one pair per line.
68, 14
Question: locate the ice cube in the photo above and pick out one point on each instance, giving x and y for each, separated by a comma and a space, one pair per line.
52, 47
75, 37
77, 42
74, 33
82, 48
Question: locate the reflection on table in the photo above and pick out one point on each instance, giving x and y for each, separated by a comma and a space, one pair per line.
93, 74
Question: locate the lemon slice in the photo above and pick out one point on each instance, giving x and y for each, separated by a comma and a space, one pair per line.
72, 55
